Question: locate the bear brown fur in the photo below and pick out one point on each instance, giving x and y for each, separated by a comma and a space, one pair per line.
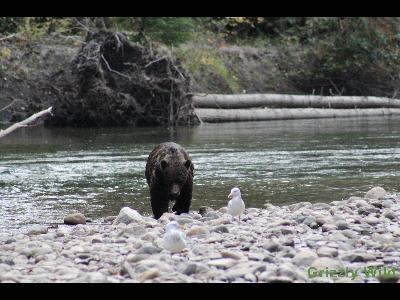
169, 174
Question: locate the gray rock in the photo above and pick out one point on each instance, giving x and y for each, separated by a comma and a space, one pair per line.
211, 215
327, 252
354, 256
37, 229
304, 258
371, 220
147, 264
223, 210
376, 193
341, 225
74, 219
321, 263
195, 268
149, 250
351, 234
390, 215
128, 215
233, 255
149, 274
223, 263
184, 220
110, 219
197, 230
132, 230
328, 227
387, 203
288, 241
272, 246
220, 229
204, 209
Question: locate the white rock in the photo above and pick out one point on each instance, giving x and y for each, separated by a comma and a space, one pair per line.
223, 263
128, 215
376, 193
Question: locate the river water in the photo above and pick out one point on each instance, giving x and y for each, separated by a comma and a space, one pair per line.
48, 173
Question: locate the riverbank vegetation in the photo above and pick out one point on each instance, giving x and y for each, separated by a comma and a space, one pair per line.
291, 55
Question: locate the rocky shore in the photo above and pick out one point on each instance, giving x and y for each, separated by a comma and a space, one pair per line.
353, 240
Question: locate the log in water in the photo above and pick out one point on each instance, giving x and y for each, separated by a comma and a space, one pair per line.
291, 101
213, 115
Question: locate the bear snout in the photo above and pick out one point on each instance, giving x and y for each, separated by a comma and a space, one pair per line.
175, 191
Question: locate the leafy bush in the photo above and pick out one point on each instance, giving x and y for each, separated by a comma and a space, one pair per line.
353, 56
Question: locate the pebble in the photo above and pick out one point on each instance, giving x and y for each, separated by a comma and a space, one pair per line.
327, 252
197, 230
371, 220
149, 274
304, 258
341, 225
272, 246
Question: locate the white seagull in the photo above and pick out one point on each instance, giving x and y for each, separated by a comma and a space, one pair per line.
174, 239
236, 205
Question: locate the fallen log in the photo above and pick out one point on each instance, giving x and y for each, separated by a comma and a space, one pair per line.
212, 115
291, 101
25, 122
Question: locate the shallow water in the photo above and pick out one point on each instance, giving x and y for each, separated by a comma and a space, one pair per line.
47, 173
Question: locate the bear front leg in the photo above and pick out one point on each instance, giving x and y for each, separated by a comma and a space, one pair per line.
159, 204
182, 204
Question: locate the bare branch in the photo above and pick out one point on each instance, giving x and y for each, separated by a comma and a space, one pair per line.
25, 122
114, 71
82, 25
8, 37
9, 105
154, 61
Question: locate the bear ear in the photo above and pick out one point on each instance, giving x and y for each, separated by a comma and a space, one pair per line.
164, 164
188, 163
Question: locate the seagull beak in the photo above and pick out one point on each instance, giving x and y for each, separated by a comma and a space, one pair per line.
230, 195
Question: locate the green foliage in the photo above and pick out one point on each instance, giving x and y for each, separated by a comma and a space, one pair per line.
203, 61
9, 24
167, 30
357, 55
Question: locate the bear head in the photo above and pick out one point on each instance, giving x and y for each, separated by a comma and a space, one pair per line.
174, 174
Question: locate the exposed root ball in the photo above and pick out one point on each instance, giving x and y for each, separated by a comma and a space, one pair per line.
113, 82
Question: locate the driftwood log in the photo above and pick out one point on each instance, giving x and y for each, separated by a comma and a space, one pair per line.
291, 101
211, 115
25, 122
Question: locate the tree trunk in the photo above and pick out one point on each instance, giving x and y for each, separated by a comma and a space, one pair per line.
291, 101
212, 115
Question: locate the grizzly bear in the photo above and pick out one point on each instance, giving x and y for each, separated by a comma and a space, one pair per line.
169, 174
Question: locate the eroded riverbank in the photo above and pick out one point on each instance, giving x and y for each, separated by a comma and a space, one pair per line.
290, 243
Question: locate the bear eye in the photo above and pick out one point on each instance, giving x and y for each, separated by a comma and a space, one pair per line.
164, 164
